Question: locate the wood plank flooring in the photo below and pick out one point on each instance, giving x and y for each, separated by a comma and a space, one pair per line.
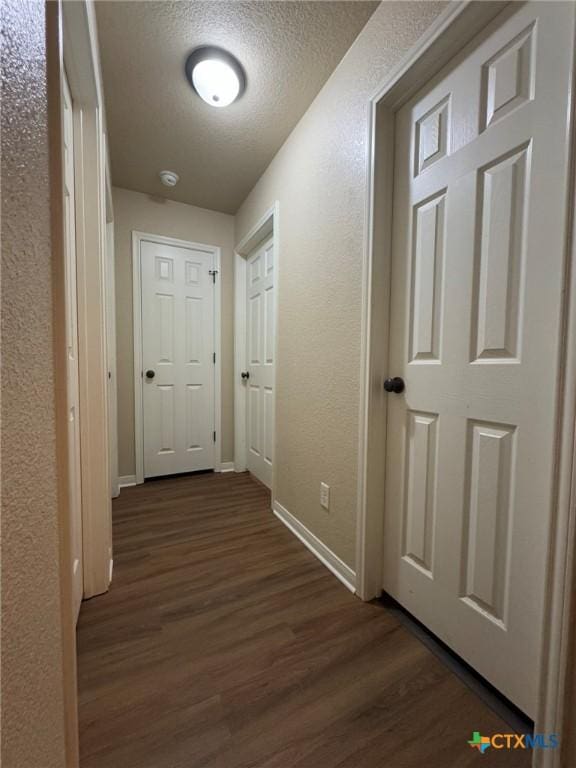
223, 643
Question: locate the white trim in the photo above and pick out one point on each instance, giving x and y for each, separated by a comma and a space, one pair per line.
556, 685
137, 339
137, 239
81, 53
263, 228
459, 23
239, 362
125, 481
81, 59
217, 265
268, 225
338, 567
227, 466
112, 359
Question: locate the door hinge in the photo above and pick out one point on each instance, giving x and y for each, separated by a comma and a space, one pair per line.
214, 435
213, 272
214, 357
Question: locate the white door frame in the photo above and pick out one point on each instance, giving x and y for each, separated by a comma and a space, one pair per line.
81, 59
111, 351
267, 226
460, 22
137, 239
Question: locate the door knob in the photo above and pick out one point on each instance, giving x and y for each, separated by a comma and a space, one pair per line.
395, 385
245, 374
150, 374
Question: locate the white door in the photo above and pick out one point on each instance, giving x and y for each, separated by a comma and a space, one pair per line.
260, 364
178, 357
111, 353
73, 389
481, 169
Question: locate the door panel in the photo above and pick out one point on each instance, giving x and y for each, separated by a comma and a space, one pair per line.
268, 424
166, 416
178, 347
260, 336
503, 191
420, 503
72, 381
477, 278
427, 270
254, 420
487, 516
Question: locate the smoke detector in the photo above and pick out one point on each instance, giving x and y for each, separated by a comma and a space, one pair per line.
169, 178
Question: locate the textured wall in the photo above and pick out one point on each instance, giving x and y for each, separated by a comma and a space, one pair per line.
319, 177
158, 216
32, 682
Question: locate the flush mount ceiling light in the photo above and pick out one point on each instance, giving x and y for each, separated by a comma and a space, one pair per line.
216, 76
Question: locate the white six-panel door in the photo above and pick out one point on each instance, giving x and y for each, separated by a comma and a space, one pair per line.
111, 355
481, 169
178, 356
73, 389
260, 313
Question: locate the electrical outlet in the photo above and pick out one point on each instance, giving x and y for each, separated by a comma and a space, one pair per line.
324, 495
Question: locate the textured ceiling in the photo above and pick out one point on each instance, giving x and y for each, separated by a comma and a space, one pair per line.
156, 121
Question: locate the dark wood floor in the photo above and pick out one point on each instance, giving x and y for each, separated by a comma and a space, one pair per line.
223, 643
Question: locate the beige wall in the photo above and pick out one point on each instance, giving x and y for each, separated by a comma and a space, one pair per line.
136, 211
37, 657
319, 178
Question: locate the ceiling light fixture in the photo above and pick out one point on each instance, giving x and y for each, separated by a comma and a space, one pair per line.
215, 75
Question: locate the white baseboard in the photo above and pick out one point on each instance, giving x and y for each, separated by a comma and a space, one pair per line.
227, 466
126, 481
338, 567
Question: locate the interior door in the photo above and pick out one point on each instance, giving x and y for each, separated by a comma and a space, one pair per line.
111, 355
481, 169
260, 368
73, 388
178, 356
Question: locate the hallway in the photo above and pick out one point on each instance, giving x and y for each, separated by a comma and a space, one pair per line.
224, 643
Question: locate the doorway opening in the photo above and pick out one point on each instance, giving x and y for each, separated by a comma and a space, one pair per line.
177, 356
255, 348
399, 539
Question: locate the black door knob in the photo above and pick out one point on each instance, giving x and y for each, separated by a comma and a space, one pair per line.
150, 374
245, 374
395, 385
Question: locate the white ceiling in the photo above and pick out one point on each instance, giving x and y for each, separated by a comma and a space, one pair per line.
156, 121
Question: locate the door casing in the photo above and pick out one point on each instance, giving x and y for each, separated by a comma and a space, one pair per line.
80, 58
137, 239
457, 25
73, 377
112, 367
268, 225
